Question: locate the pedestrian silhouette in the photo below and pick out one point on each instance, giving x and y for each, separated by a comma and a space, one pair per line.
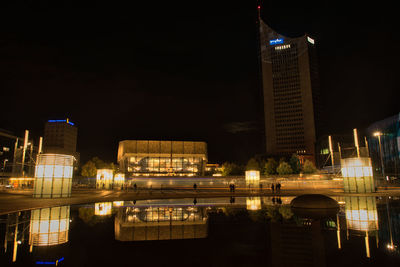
272, 188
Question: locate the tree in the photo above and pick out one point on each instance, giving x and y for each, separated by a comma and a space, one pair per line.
89, 169
231, 169
226, 168
100, 164
270, 166
309, 167
284, 168
294, 163
252, 164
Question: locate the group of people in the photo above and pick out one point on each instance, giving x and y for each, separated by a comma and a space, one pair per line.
276, 188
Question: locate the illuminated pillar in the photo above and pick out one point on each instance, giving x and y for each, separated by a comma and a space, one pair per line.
40, 145
357, 175
53, 176
24, 151
253, 177
104, 179
49, 226
253, 203
103, 208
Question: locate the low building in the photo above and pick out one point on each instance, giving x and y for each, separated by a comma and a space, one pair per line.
162, 158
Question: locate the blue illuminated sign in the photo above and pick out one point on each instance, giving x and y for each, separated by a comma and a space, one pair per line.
276, 41
50, 262
67, 121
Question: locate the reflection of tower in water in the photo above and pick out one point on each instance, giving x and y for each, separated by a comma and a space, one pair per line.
294, 244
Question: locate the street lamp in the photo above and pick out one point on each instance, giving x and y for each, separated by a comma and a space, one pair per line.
378, 134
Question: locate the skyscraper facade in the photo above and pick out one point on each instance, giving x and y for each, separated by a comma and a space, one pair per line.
291, 93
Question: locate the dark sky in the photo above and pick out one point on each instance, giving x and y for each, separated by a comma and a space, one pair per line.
185, 71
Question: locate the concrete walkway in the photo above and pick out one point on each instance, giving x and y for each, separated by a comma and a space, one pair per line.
19, 200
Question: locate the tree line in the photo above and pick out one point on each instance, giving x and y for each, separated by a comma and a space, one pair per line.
270, 166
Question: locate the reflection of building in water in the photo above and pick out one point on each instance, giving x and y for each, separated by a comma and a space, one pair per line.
297, 245
160, 223
103, 208
362, 217
253, 203
162, 158
361, 214
49, 226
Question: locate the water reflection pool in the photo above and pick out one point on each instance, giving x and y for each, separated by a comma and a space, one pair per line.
252, 231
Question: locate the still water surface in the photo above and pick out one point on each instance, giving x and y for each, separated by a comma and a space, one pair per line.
252, 231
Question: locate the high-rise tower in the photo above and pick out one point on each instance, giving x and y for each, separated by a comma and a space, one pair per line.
60, 137
291, 93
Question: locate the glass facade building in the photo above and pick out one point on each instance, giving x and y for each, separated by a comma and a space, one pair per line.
162, 158
389, 130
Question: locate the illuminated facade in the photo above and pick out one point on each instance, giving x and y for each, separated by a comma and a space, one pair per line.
291, 93
162, 158
49, 226
53, 176
119, 179
357, 175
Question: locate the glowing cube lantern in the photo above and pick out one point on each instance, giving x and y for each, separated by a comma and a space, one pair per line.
357, 175
104, 179
119, 179
53, 176
253, 203
103, 208
252, 177
49, 226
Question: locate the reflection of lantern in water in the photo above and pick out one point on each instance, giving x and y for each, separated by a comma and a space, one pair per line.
49, 226
53, 175
104, 179
357, 175
253, 203
252, 177
119, 179
103, 208
361, 215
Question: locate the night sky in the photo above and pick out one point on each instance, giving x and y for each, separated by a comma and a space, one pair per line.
185, 71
